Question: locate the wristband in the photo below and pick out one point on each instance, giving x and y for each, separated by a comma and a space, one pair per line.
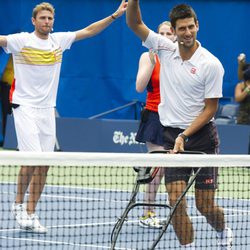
184, 137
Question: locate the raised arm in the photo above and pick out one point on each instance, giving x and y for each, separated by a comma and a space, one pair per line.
95, 28
134, 20
146, 67
3, 41
241, 63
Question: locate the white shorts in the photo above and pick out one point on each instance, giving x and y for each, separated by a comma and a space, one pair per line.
35, 128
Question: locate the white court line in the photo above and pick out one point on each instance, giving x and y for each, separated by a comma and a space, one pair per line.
63, 243
65, 197
194, 217
82, 198
87, 188
115, 201
86, 225
122, 191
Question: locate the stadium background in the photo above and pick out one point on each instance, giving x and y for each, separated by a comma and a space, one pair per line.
98, 74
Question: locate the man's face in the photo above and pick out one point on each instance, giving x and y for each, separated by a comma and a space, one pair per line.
43, 22
186, 31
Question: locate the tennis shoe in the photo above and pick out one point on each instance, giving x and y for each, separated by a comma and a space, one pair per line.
29, 223
150, 221
19, 212
225, 240
36, 226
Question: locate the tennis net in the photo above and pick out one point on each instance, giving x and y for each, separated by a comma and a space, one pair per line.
86, 195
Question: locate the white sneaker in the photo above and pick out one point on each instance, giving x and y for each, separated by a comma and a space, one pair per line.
36, 227
19, 212
225, 240
150, 221
27, 222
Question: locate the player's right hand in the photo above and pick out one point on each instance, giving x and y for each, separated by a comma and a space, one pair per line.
242, 58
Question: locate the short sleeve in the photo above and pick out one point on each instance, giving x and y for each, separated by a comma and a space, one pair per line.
64, 39
15, 42
157, 42
214, 80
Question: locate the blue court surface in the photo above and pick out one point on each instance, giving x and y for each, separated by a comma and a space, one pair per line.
83, 218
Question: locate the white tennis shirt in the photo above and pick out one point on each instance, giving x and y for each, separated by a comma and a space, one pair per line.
184, 85
37, 65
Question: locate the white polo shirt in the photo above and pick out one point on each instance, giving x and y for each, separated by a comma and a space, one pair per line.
184, 85
37, 65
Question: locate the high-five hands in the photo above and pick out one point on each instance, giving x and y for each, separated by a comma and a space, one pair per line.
121, 9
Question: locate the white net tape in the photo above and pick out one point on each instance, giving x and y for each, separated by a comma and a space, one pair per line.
122, 159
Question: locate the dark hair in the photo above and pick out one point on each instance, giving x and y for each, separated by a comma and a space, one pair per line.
181, 11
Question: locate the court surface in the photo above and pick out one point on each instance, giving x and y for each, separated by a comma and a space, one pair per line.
83, 218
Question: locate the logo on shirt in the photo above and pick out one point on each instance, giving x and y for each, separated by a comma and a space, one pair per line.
193, 70
209, 181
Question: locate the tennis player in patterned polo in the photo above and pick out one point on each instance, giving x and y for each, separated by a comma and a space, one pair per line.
37, 63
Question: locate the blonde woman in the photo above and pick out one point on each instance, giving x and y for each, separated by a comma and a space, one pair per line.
150, 129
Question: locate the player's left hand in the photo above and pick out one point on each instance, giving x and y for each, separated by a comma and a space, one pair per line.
179, 145
121, 9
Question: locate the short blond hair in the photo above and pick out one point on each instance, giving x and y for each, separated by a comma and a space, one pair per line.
43, 6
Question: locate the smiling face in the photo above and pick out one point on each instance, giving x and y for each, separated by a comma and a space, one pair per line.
186, 32
43, 23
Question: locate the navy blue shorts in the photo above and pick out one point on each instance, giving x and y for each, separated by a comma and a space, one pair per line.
150, 128
205, 140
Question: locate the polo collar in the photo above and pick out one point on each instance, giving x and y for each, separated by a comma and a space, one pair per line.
195, 56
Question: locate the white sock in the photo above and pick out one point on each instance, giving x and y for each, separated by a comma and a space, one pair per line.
190, 246
221, 233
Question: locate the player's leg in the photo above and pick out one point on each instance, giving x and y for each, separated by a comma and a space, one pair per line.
176, 180
46, 126
23, 181
181, 222
149, 218
152, 187
28, 140
206, 185
32, 139
36, 187
206, 205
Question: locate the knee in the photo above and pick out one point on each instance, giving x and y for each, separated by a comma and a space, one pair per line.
202, 209
182, 206
205, 208
172, 199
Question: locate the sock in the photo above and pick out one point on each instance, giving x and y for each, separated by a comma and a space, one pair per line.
190, 246
220, 233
